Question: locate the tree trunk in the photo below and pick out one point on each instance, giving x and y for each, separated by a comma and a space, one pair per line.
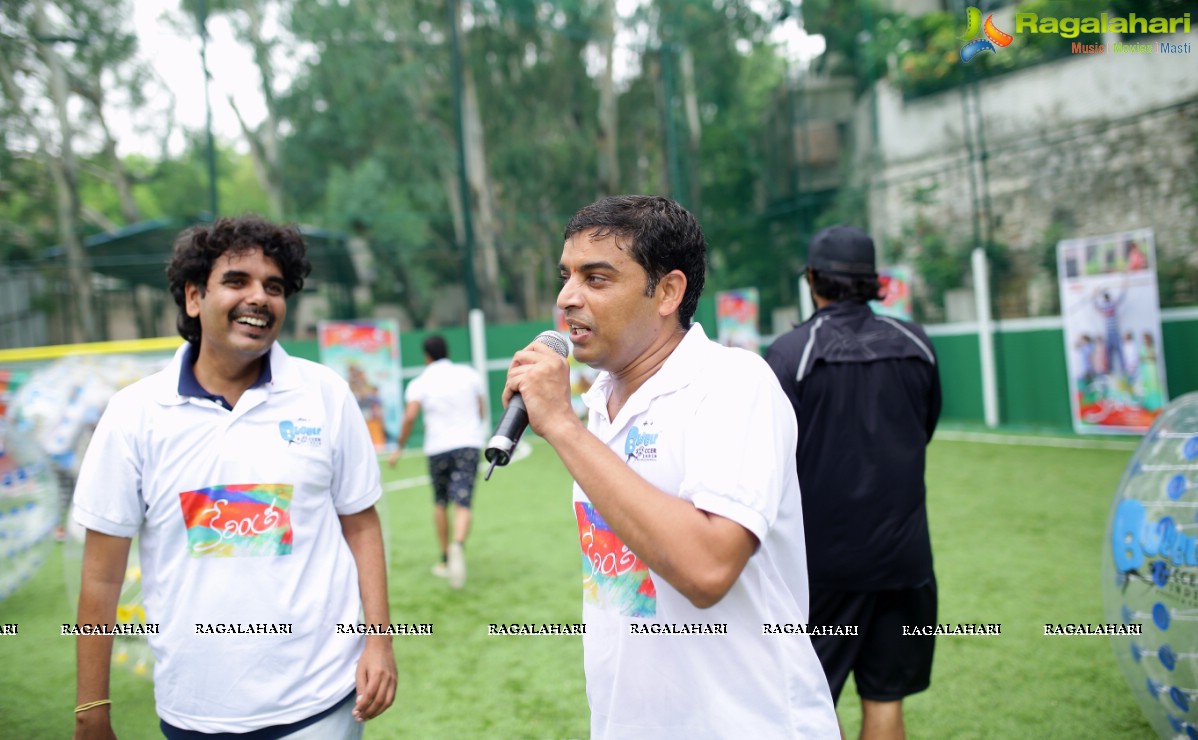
694, 128
119, 176
264, 141
481, 195
64, 172
262, 161
609, 161
658, 66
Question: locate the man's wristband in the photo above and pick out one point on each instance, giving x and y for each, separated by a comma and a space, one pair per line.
92, 705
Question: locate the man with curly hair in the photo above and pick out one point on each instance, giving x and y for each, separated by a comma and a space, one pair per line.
251, 480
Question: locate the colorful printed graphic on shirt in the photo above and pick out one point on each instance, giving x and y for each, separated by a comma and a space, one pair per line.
612, 576
247, 520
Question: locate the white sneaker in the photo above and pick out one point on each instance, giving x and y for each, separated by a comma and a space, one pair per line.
441, 570
456, 571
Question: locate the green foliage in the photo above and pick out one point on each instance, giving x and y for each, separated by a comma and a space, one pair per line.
179, 187
369, 143
1055, 232
859, 35
863, 37
1153, 9
733, 154
1001, 265
360, 202
238, 188
929, 46
850, 204
940, 264
371, 148
379, 91
1178, 280
26, 208
932, 60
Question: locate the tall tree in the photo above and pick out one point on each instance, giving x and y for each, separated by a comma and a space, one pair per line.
258, 24
543, 133
107, 67
35, 63
550, 123
609, 118
370, 141
709, 75
482, 203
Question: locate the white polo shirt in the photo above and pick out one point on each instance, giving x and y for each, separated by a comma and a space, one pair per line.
712, 427
448, 395
237, 517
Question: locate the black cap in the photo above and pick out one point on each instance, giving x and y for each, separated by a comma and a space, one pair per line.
842, 250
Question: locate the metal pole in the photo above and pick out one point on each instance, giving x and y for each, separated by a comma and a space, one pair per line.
969, 112
981, 295
478, 357
463, 181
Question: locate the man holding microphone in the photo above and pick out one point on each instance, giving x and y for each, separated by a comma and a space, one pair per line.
686, 493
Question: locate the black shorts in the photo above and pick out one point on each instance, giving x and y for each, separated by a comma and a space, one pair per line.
453, 475
886, 664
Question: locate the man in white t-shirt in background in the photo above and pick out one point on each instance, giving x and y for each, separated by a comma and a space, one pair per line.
250, 479
686, 494
454, 405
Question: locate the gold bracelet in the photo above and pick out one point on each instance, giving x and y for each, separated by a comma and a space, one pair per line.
92, 705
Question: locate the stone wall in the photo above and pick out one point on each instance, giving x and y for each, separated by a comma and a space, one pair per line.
1087, 145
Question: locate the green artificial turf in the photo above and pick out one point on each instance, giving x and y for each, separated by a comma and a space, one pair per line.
1017, 533
1017, 537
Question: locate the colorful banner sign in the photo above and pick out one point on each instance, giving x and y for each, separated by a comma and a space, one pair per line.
736, 319
1110, 311
366, 354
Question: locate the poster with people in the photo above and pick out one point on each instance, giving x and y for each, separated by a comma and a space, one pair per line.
896, 292
1110, 311
366, 354
736, 319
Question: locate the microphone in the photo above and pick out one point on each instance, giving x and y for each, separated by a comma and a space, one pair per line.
515, 418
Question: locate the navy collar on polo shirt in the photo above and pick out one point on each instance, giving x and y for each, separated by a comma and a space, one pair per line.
190, 386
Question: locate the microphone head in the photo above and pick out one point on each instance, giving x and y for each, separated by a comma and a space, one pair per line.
554, 341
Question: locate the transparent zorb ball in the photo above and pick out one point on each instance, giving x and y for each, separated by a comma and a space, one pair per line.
54, 413
1150, 571
29, 511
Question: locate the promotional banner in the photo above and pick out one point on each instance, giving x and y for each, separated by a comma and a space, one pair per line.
366, 354
1110, 311
736, 319
896, 292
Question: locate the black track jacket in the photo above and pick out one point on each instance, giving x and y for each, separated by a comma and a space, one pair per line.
866, 392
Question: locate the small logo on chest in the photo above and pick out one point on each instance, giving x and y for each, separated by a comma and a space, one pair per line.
641, 444
301, 432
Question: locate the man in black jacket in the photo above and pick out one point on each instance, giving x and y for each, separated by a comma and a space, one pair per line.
866, 392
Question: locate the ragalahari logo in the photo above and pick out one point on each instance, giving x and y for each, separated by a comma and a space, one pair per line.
977, 45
